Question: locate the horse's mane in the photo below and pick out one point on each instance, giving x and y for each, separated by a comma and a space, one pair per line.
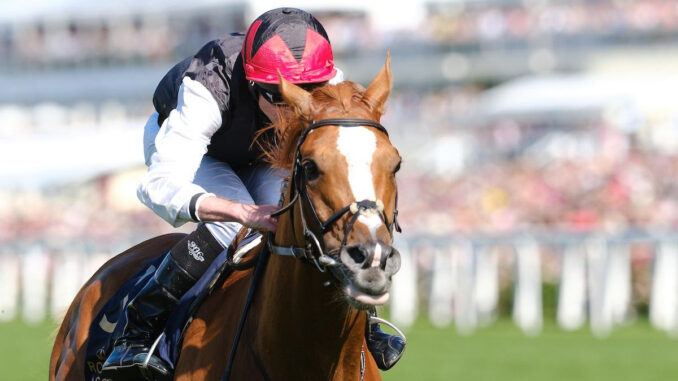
338, 100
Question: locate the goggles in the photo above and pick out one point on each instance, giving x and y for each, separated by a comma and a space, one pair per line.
271, 93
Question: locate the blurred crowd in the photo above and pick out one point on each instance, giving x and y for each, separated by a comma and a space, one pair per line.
566, 21
513, 184
84, 215
65, 44
166, 36
521, 194
513, 195
113, 40
509, 176
553, 172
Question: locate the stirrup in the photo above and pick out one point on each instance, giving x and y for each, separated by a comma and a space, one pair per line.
375, 319
152, 349
139, 366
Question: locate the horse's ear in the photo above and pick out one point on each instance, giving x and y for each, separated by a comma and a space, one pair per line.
379, 89
298, 98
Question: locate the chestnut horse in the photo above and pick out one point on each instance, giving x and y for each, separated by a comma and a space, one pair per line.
303, 324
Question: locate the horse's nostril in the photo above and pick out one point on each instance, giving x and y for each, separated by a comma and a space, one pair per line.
356, 254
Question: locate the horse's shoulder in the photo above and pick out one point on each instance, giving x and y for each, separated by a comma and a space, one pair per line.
208, 339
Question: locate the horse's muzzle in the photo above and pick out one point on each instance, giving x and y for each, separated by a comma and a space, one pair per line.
370, 268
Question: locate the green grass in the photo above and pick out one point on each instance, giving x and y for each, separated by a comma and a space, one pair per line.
502, 353
25, 350
497, 353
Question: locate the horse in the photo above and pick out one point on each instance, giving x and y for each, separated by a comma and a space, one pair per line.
331, 255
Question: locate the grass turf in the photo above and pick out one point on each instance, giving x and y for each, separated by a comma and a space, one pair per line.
497, 353
502, 353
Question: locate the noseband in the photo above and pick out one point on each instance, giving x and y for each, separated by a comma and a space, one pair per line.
357, 208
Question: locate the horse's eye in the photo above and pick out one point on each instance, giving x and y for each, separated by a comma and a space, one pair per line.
397, 168
311, 171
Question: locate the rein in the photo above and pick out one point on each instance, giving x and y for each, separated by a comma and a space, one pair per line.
263, 256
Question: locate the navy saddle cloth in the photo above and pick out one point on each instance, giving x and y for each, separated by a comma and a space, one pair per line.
108, 325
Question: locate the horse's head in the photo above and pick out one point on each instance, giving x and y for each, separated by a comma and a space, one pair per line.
344, 179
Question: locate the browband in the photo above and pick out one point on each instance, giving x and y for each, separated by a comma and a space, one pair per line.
341, 122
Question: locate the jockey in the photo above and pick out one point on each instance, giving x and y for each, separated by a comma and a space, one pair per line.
203, 167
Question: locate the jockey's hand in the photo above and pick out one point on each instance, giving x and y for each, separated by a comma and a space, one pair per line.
258, 217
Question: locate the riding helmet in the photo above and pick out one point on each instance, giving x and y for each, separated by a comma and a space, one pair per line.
289, 40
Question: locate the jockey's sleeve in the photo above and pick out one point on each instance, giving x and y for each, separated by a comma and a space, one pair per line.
181, 142
339, 77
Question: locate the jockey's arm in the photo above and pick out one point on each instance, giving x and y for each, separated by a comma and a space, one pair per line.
181, 142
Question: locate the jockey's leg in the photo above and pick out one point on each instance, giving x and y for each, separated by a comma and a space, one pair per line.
386, 349
148, 311
263, 183
181, 268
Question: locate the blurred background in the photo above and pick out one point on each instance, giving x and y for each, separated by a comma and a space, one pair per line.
538, 193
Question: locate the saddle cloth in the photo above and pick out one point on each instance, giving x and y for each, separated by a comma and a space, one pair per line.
110, 322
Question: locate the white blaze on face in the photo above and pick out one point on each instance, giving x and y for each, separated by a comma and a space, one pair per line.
358, 144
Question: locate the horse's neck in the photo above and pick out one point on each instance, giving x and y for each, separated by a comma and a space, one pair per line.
303, 331
300, 330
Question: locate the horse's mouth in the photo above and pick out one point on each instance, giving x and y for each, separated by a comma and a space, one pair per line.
361, 300
365, 283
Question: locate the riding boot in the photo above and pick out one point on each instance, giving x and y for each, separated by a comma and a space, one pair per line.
132, 357
146, 315
385, 349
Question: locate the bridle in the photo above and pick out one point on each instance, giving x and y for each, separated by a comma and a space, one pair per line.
313, 251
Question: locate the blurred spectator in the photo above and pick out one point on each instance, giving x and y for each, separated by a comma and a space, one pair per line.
597, 21
567, 195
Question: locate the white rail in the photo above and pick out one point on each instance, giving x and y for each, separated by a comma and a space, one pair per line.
456, 280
